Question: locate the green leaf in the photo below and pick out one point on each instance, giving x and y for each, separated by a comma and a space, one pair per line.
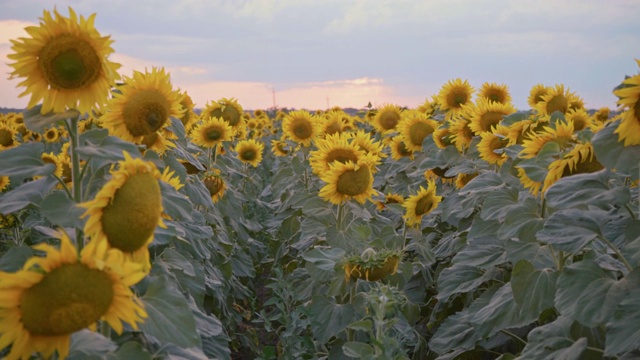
328, 319
587, 189
25, 161
37, 122
498, 204
86, 343
537, 168
174, 203
572, 229
533, 290
482, 252
554, 341
170, 319
500, 313
540, 256
522, 221
174, 260
324, 259
623, 332
613, 154
588, 293
30, 193
130, 350
110, 148
362, 325
62, 211
461, 278
14, 259
357, 349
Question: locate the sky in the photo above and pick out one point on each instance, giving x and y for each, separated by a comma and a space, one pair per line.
318, 54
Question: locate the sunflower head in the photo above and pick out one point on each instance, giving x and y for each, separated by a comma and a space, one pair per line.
580, 160
8, 137
536, 94
421, 204
495, 92
372, 265
215, 184
280, 147
463, 179
349, 180
250, 151
332, 123
333, 148
364, 141
415, 127
301, 127
211, 132
227, 109
629, 100
4, 182
487, 114
557, 99
387, 118
580, 119
453, 95
442, 137
461, 133
602, 115
64, 63
492, 141
399, 148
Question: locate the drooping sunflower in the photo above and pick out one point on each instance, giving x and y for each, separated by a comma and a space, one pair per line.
345, 181
415, 127
389, 198
442, 136
562, 134
453, 95
387, 118
215, 184
143, 105
125, 212
8, 137
602, 115
364, 141
629, 98
495, 92
439, 173
487, 114
333, 148
280, 147
189, 117
492, 141
520, 130
460, 133
580, 119
557, 99
399, 148
250, 151
421, 204
227, 109
463, 179
536, 93
301, 127
57, 294
371, 265
580, 160
211, 132
64, 63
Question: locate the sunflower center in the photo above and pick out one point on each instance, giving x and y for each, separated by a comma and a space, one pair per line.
145, 112
231, 115
341, 155
423, 205
558, 103
496, 95
6, 137
68, 62
333, 128
579, 123
248, 155
441, 172
389, 120
497, 143
354, 182
51, 135
213, 134
150, 139
539, 96
133, 214
402, 149
214, 185
419, 131
66, 300
302, 129
457, 97
281, 145
489, 119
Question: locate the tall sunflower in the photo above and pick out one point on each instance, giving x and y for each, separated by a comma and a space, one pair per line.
8, 137
211, 132
562, 134
143, 105
415, 127
453, 95
629, 98
487, 114
301, 127
421, 204
399, 148
536, 93
64, 63
492, 141
250, 151
126, 211
215, 184
557, 99
333, 148
495, 92
387, 118
460, 133
227, 109
349, 180
57, 294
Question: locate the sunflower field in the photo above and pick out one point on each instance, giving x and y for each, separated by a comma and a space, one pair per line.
134, 227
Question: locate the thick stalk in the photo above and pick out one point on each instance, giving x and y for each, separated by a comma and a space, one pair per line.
76, 179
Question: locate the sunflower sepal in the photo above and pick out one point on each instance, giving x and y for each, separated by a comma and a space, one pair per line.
372, 265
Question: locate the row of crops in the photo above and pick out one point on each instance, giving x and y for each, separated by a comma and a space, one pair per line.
134, 226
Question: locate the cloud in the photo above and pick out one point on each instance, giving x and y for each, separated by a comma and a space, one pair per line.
13, 29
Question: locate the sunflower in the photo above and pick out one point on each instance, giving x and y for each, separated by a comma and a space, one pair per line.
439, 173
4, 182
349, 180
51, 158
557, 99
536, 93
142, 106
399, 148
495, 92
492, 141
453, 95
211, 132
580, 160
57, 294
301, 127
389, 199
520, 130
332, 123
8, 137
333, 148
487, 114
460, 133
250, 151
429, 106
442, 136
227, 109
562, 135
372, 265
602, 115
157, 142
364, 141
463, 179
421, 204
280, 147
387, 118
415, 127
64, 63
629, 98
51, 135
125, 212
528, 183
580, 119
215, 184
189, 117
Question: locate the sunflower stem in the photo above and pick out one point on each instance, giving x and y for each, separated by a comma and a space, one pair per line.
105, 329
64, 186
339, 216
72, 127
617, 251
633, 216
514, 336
